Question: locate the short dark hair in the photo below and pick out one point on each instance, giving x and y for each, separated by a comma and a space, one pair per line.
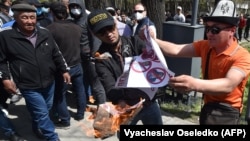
59, 10
2, 6
145, 9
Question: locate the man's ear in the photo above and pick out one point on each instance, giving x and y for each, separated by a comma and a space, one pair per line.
234, 29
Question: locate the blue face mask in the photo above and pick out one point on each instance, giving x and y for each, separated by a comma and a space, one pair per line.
39, 11
45, 10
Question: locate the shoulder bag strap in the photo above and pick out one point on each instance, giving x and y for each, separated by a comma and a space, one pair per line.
205, 76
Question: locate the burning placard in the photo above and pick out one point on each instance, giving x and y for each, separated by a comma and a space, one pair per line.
109, 117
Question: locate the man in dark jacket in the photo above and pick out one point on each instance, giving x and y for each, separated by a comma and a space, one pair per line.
33, 58
89, 45
69, 45
103, 26
140, 13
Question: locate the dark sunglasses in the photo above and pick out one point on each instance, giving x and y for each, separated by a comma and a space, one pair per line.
140, 11
106, 29
214, 29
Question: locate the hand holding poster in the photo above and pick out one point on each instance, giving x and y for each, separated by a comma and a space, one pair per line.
147, 71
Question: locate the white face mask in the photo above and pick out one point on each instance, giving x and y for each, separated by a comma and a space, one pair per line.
11, 13
76, 11
138, 16
45, 10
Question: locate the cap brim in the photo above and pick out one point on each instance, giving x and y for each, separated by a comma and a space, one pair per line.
23, 9
101, 25
227, 20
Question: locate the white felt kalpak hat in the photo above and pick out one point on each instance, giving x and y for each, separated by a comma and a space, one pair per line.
224, 12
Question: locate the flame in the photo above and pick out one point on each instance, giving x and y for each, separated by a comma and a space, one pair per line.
105, 55
97, 54
118, 115
91, 99
88, 130
93, 112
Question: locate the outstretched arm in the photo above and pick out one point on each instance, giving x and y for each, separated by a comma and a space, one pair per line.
176, 50
169, 48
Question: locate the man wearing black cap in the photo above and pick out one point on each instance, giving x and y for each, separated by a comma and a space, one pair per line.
225, 67
33, 58
109, 69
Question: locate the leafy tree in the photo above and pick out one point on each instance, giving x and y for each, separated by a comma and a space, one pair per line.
156, 12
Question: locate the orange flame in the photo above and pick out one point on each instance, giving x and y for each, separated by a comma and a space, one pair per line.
107, 121
121, 114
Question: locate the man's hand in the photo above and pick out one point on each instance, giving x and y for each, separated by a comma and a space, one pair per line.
141, 33
10, 86
183, 83
67, 78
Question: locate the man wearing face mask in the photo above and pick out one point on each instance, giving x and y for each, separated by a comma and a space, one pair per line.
89, 45
140, 14
42, 13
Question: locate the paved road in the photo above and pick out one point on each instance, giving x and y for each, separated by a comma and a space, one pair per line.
79, 130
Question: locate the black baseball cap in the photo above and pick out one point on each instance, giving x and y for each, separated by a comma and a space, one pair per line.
99, 19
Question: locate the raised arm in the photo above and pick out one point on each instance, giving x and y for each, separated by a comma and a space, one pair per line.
176, 50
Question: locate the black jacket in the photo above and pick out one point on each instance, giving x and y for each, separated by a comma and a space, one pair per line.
68, 41
31, 67
88, 41
89, 45
43, 20
109, 70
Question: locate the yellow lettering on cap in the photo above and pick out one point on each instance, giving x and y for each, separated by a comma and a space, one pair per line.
98, 18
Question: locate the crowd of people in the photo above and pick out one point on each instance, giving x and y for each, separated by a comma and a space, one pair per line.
41, 63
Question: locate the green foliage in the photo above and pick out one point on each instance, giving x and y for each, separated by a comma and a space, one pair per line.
191, 111
184, 111
246, 45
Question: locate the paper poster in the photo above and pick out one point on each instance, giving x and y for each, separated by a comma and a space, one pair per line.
148, 71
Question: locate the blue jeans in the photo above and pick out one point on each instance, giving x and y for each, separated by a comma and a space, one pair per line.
86, 80
6, 125
149, 115
38, 103
60, 103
